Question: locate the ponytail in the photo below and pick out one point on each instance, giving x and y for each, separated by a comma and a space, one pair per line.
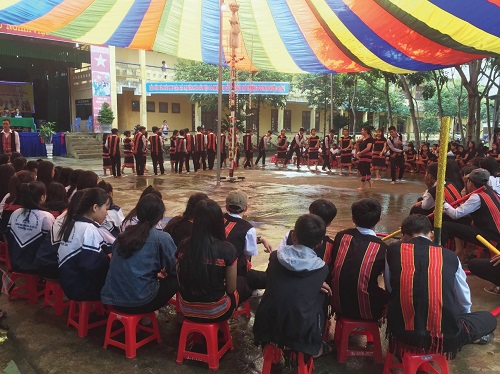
150, 210
31, 195
89, 197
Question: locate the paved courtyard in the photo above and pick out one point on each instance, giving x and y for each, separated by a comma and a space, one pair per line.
39, 342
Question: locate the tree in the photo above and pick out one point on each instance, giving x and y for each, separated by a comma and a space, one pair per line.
408, 82
317, 89
194, 71
429, 125
274, 101
373, 78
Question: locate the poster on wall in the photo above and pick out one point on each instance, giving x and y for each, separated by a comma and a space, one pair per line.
17, 95
101, 86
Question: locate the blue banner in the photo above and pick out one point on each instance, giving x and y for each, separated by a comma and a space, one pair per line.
241, 88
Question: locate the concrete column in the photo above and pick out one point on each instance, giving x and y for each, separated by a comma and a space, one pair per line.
197, 115
143, 111
113, 88
312, 120
281, 115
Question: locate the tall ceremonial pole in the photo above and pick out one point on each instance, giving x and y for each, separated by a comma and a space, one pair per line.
234, 42
219, 101
443, 151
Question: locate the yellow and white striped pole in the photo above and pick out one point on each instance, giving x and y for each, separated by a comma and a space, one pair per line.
443, 151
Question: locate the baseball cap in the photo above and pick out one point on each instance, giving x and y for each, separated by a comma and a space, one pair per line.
479, 176
237, 199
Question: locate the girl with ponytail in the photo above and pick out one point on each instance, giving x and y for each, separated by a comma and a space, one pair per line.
142, 276
28, 226
83, 262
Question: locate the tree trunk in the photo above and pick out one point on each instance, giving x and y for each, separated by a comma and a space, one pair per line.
352, 108
439, 89
471, 85
257, 121
488, 117
479, 127
411, 104
388, 100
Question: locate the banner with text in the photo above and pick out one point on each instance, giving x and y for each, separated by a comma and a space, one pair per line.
101, 87
241, 88
21, 31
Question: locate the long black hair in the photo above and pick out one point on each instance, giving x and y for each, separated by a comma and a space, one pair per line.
73, 180
72, 206
31, 195
7, 171
188, 214
90, 197
148, 190
87, 179
44, 172
208, 227
15, 182
64, 176
57, 198
453, 174
150, 210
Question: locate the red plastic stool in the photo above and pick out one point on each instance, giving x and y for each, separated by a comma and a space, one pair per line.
415, 362
175, 301
54, 296
130, 326
210, 332
346, 327
243, 309
79, 313
272, 355
29, 289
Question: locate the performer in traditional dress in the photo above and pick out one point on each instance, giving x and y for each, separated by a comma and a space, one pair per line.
281, 148
200, 156
263, 142
211, 148
190, 147
113, 147
396, 143
357, 259
378, 157
296, 147
346, 151
423, 157
180, 151
128, 156
156, 144
173, 156
410, 158
248, 148
328, 141
364, 155
106, 161
139, 150
313, 149
430, 306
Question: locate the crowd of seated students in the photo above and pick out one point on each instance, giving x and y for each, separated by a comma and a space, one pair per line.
132, 263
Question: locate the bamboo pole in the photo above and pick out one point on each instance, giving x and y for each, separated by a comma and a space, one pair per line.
453, 204
488, 245
443, 150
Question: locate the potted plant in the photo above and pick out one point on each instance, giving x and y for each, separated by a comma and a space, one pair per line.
47, 130
105, 118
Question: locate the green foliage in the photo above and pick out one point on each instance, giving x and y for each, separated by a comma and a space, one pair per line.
226, 125
429, 126
105, 114
46, 132
340, 122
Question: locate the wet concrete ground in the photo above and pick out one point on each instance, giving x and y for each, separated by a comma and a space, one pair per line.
39, 342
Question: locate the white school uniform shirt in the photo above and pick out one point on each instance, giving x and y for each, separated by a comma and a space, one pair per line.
28, 225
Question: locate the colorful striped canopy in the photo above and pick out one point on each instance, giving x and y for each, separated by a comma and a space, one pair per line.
294, 36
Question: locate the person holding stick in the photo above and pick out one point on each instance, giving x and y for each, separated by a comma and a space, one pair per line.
483, 207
